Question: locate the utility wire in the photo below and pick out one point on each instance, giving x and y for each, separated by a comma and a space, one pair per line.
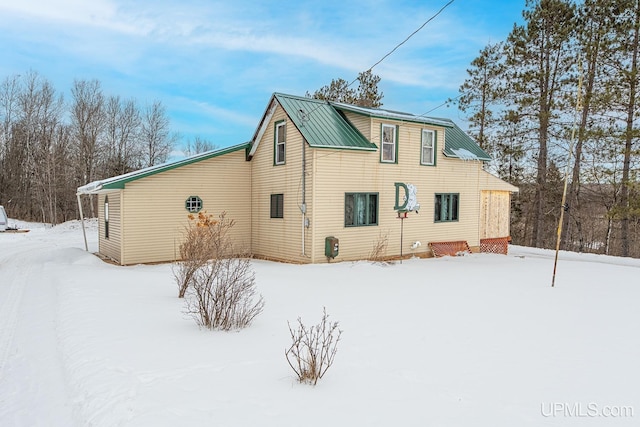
397, 46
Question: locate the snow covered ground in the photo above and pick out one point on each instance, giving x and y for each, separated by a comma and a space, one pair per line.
479, 340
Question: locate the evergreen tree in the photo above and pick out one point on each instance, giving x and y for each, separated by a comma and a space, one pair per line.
339, 90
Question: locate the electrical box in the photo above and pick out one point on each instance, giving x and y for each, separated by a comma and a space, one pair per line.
331, 247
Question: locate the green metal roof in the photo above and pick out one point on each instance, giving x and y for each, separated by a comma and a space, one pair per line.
321, 125
458, 144
118, 182
392, 115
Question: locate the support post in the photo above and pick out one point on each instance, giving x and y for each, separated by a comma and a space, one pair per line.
84, 232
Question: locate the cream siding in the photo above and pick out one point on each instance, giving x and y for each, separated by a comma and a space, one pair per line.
280, 238
361, 122
155, 206
111, 247
340, 172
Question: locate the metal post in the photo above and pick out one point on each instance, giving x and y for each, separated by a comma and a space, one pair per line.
84, 233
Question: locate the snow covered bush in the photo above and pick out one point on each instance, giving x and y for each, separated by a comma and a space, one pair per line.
313, 349
219, 285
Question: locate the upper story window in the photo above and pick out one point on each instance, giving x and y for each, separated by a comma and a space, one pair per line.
389, 142
428, 154
280, 143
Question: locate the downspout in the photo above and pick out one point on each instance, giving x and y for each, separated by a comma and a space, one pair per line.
303, 207
84, 233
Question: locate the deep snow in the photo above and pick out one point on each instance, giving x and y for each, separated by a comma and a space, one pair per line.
479, 340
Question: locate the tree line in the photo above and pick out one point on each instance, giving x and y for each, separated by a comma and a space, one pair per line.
559, 97
49, 147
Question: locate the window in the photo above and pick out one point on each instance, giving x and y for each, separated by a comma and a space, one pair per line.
360, 209
106, 217
277, 206
428, 147
193, 204
446, 207
280, 134
389, 145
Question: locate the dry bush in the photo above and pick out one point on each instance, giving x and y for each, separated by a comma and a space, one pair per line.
313, 349
379, 250
218, 284
222, 294
205, 238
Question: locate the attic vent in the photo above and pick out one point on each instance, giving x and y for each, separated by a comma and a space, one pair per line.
465, 154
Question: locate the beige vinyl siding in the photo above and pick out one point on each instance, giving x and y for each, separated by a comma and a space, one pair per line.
280, 238
345, 172
155, 206
362, 123
111, 247
494, 214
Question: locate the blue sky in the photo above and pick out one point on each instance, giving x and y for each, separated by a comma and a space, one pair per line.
214, 64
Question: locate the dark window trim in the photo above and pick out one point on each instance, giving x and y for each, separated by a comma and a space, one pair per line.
276, 161
435, 147
396, 138
276, 208
106, 217
367, 210
188, 204
453, 201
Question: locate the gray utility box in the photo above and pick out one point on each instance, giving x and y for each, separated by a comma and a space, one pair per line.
331, 247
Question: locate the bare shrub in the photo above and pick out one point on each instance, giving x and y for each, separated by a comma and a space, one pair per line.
313, 349
379, 250
219, 284
222, 294
205, 238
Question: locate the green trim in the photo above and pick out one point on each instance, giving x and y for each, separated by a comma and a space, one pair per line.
457, 206
396, 137
367, 211
118, 182
277, 124
435, 147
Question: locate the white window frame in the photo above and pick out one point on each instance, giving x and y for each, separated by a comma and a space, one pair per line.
384, 144
426, 145
280, 127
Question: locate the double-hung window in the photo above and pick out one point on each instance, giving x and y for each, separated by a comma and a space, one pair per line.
277, 206
446, 207
280, 143
428, 153
389, 142
360, 209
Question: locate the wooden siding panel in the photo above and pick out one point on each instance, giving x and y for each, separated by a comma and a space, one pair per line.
494, 214
156, 216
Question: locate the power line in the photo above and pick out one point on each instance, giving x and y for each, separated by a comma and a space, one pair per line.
412, 34
397, 46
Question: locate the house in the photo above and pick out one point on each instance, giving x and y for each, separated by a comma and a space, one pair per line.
318, 181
